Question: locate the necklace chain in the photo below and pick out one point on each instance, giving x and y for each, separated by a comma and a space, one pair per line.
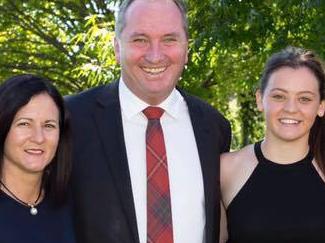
33, 209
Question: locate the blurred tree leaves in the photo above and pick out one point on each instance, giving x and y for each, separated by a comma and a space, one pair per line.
69, 41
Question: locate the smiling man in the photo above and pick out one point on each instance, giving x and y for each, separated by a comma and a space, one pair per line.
146, 154
152, 53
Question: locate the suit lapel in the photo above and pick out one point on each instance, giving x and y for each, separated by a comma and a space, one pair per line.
208, 159
109, 122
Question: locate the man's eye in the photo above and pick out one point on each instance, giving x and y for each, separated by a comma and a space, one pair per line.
140, 40
169, 40
278, 97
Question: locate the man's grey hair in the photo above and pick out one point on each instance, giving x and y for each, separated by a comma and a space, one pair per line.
120, 20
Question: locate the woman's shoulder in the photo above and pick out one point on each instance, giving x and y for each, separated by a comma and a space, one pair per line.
235, 169
235, 159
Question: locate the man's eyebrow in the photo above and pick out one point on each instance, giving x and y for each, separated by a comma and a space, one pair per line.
135, 34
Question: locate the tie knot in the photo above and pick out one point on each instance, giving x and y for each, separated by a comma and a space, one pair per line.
153, 112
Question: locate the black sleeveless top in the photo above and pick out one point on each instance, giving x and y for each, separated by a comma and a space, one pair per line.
279, 203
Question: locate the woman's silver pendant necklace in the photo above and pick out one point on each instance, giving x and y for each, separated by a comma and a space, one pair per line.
33, 210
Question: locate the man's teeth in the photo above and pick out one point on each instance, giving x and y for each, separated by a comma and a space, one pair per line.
289, 121
154, 70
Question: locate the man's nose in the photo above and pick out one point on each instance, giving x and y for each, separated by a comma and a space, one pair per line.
154, 53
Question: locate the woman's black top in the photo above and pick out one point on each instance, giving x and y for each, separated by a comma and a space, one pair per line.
50, 225
279, 203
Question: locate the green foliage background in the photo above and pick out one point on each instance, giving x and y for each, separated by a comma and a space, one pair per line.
71, 42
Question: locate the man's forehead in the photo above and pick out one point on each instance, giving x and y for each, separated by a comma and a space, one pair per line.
150, 4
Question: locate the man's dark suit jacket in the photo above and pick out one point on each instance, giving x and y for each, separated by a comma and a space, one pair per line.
101, 186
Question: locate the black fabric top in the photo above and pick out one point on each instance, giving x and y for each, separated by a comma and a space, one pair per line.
279, 203
50, 225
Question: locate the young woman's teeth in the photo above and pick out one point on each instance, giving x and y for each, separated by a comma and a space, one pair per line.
288, 121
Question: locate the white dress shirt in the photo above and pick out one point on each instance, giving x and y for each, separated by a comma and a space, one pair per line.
184, 168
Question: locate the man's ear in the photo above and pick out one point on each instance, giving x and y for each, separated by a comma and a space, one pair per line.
259, 100
117, 50
187, 52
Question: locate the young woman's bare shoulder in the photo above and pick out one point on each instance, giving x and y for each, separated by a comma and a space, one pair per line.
235, 169
233, 164
233, 160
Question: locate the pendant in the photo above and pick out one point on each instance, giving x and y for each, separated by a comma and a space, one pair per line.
33, 211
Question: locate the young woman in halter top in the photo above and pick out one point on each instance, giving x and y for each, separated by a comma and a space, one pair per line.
274, 190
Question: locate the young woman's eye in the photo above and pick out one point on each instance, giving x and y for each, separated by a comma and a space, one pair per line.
305, 99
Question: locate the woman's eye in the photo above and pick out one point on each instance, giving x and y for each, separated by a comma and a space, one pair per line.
22, 124
304, 99
50, 126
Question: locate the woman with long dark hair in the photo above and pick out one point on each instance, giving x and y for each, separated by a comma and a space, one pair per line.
34, 162
274, 190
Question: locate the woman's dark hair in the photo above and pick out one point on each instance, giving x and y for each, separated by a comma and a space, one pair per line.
15, 93
295, 58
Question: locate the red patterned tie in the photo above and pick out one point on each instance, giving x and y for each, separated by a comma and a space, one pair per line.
159, 216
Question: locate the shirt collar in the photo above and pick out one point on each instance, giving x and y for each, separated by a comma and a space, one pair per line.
132, 105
